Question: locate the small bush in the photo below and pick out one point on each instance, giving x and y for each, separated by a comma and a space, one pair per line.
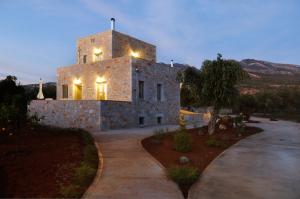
212, 142
71, 191
183, 175
182, 141
226, 121
238, 120
84, 174
239, 124
91, 156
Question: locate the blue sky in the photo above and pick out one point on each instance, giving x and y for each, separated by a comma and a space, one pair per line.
37, 36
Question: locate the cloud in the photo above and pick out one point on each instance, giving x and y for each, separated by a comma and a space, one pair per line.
159, 23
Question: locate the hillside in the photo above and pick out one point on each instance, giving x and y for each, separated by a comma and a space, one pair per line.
49, 90
268, 75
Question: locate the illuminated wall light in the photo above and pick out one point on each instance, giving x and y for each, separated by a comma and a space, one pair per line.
97, 51
100, 79
134, 54
97, 54
77, 81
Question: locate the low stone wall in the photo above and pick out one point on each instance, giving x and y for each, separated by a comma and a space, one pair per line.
96, 115
118, 114
68, 113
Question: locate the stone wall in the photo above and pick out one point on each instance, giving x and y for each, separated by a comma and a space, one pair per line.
149, 107
123, 45
87, 45
117, 114
67, 113
113, 44
116, 72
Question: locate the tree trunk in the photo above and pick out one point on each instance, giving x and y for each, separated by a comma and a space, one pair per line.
213, 121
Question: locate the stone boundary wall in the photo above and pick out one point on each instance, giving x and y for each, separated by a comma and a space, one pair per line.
68, 113
94, 115
91, 115
118, 114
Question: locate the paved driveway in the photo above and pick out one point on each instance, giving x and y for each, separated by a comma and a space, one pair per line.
263, 166
129, 172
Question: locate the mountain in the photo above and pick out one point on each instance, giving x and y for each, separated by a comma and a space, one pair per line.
266, 75
265, 67
32, 86
49, 90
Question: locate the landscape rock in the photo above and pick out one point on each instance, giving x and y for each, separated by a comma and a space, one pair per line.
184, 160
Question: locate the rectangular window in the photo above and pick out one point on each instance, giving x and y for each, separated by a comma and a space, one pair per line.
101, 91
141, 120
77, 92
158, 92
159, 119
84, 58
65, 91
141, 89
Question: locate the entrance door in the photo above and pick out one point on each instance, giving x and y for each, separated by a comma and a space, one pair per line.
101, 91
77, 92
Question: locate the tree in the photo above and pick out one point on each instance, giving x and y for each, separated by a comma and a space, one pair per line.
215, 85
13, 104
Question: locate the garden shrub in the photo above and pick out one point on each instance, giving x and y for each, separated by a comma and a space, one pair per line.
71, 191
91, 156
239, 124
86, 136
182, 141
84, 174
226, 121
212, 142
183, 175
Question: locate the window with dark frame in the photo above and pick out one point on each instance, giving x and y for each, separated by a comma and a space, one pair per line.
64, 91
141, 120
159, 118
141, 89
84, 59
159, 86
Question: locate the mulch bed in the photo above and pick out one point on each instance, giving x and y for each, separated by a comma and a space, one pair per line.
201, 155
36, 161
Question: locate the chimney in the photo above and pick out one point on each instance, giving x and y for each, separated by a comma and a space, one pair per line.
112, 23
172, 63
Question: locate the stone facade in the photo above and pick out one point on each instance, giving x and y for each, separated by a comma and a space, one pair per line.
68, 113
116, 73
112, 44
138, 91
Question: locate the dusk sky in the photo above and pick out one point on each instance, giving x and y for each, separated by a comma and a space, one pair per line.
37, 36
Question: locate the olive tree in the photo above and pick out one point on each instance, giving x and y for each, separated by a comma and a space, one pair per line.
214, 85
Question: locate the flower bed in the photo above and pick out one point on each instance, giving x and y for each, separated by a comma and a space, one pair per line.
204, 149
46, 162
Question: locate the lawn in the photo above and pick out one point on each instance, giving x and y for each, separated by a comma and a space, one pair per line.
39, 161
204, 149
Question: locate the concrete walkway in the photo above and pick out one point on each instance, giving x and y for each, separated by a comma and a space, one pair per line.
263, 166
129, 172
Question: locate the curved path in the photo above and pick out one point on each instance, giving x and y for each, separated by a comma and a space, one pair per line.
129, 172
263, 166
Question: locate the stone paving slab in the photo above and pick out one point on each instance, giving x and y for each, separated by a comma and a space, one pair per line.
263, 166
129, 172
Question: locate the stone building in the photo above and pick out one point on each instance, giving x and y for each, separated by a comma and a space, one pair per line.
116, 83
